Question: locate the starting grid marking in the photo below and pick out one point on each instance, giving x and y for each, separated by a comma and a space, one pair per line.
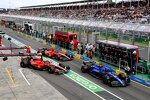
89, 85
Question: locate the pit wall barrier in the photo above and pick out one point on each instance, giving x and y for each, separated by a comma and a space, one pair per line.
81, 57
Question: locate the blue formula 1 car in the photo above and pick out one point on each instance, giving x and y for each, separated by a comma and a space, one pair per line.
106, 74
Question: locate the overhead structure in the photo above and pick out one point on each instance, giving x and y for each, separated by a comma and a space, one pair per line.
83, 23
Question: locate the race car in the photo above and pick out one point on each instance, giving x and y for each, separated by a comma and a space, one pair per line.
95, 70
38, 63
55, 54
105, 73
114, 79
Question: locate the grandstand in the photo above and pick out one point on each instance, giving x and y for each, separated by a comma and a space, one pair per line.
124, 11
3, 10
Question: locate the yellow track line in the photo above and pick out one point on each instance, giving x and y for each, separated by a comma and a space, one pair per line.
12, 80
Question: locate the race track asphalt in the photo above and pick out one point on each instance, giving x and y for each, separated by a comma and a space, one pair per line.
73, 91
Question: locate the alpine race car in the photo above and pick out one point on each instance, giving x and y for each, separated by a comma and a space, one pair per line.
106, 74
38, 63
55, 54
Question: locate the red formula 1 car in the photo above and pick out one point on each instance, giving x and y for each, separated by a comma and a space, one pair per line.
38, 63
55, 54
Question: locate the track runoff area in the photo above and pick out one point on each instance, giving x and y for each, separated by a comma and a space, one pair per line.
82, 81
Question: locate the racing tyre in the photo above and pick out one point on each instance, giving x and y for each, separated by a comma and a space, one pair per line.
22, 64
84, 69
51, 70
110, 82
105, 79
67, 67
127, 82
62, 65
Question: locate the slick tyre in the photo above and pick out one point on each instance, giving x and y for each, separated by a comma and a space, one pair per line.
23, 65
105, 81
84, 69
50, 70
67, 67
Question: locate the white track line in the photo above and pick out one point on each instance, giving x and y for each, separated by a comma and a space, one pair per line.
103, 88
20, 70
87, 89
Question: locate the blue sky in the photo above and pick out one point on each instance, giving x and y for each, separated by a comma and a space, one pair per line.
20, 3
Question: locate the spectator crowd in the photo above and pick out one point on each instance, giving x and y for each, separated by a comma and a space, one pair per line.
122, 12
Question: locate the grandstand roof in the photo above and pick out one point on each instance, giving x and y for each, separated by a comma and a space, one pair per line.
82, 2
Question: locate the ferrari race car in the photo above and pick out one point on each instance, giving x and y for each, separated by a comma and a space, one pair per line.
55, 54
38, 63
106, 74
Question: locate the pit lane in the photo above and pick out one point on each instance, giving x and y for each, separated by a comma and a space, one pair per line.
74, 92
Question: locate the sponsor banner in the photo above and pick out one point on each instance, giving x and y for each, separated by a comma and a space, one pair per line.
134, 78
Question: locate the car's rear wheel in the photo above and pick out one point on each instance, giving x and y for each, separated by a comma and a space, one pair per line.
84, 69
67, 67
105, 80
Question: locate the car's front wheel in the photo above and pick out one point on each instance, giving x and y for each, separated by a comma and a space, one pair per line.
22, 64
50, 70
